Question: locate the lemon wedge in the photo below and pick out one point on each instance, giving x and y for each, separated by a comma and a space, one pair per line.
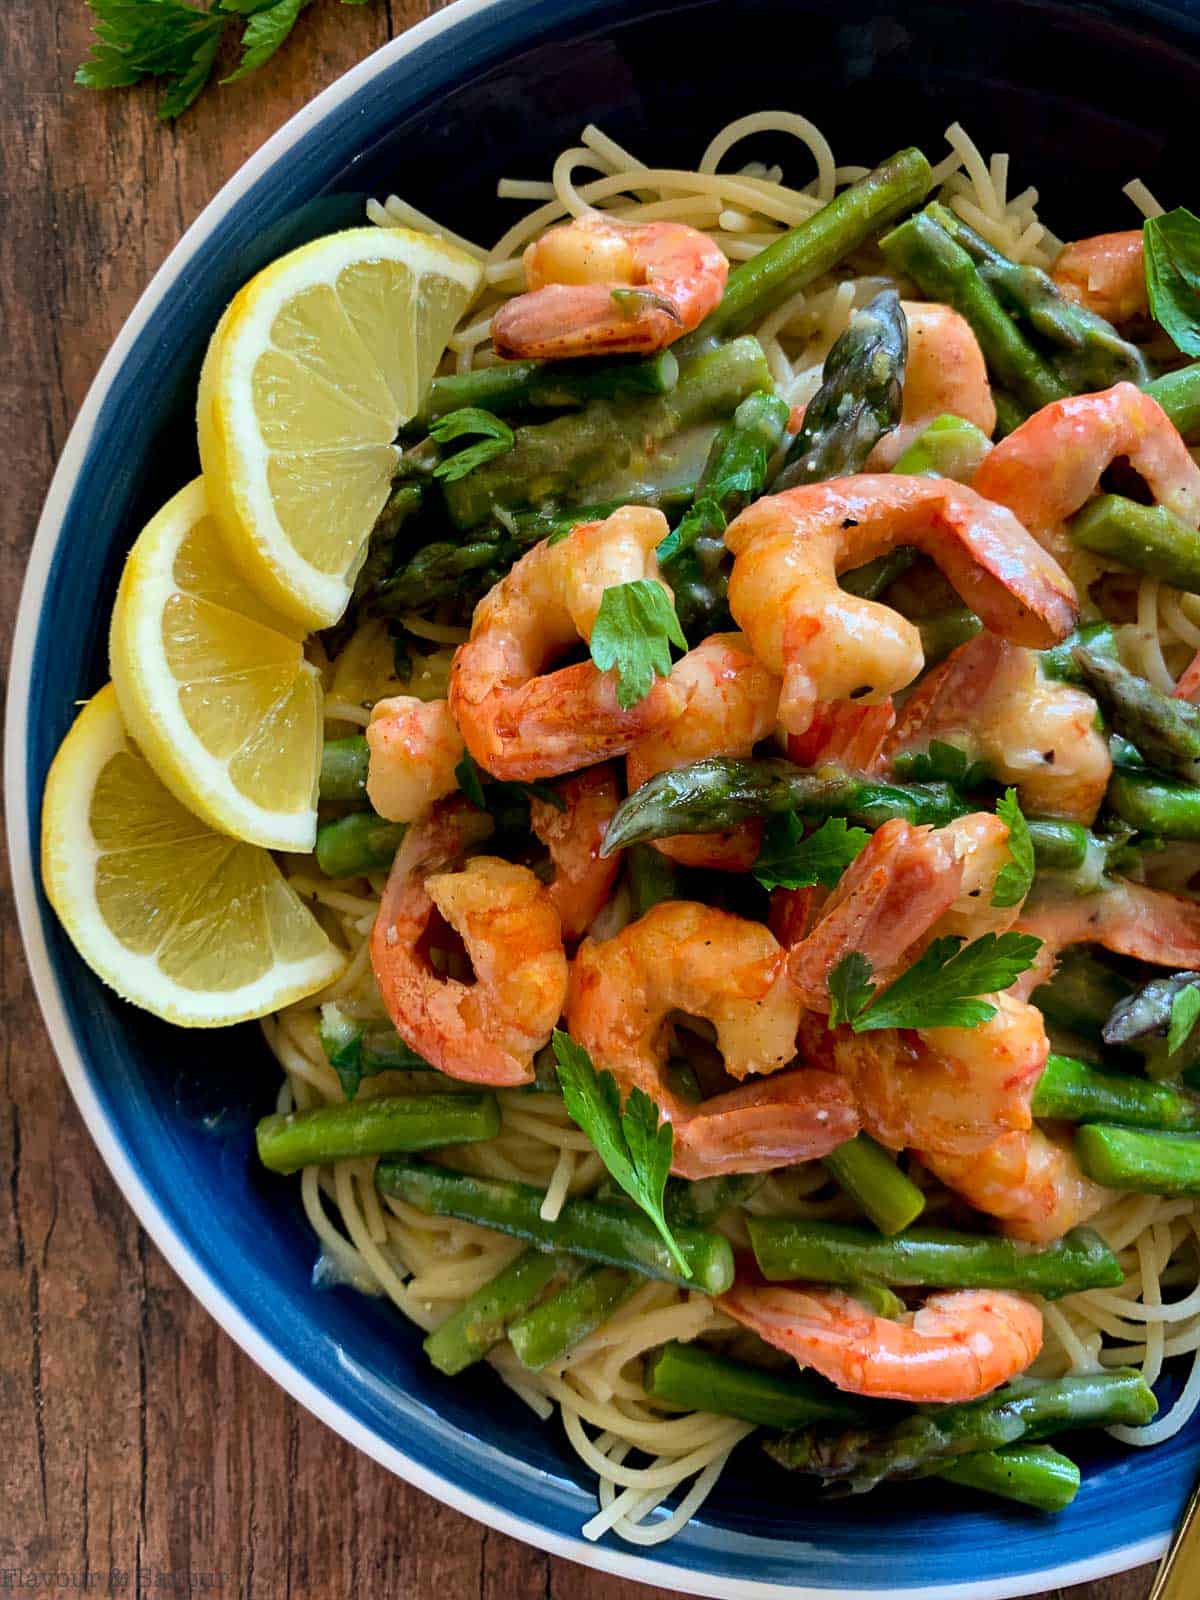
187, 923
313, 369
213, 685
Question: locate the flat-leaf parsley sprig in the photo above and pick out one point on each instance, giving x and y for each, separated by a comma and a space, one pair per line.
633, 633
940, 990
633, 1144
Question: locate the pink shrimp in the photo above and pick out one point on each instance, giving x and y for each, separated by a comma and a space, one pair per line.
1106, 274
1050, 466
686, 957
600, 287
956, 1347
828, 644
991, 700
945, 373
731, 705
1030, 1180
1188, 687
1127, 918
521, 722
487, 1031
583, 879
846, 732
415, 748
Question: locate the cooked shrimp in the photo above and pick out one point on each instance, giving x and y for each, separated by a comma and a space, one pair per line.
706, 963
945, 373
600, 287
828, 644
487, 1031
583, 879
731, 705
1129, 919
1051, 465
521, 722
956, 1347
991, 700
1106, 274
1188, 687
846, 732
415, 747
1031, 1181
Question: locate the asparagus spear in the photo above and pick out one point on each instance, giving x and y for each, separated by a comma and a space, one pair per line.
530, 527
546, 1332
757, 286
1058, 662
554, 385
871, 1178
1130, 1158
843, 1252
361, 842
1178, 393
652, 878
618, 1235
1089, 353
553, 460
945, 631
1072, 1091
702, 1200
480, 1324
870, 580
1010, 413
696, 1379
358, 1050
1147, 1011
859, 399
950, 447
1156, 805
693, 557
344, 764
437, 572
297, 1139
1025, 1411
923, 250
1165, 730
1082, 993
1147, 538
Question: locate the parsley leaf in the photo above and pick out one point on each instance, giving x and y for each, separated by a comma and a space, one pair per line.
267, 29
1014, 879
938, 991
850, 988
634, 630
1172, 252
941, 763
633, 1144
136, 39
356, 1052
497, 440
1185, 1010
787, 860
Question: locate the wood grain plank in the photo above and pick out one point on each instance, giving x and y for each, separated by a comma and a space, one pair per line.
141, 1447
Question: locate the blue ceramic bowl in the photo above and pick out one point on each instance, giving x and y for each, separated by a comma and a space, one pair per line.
1085, 97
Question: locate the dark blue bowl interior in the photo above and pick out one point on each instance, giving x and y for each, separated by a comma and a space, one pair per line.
1085, 97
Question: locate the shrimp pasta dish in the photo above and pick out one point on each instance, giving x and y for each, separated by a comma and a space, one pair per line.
683, 728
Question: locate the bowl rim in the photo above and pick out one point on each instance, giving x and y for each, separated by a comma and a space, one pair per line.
21, 829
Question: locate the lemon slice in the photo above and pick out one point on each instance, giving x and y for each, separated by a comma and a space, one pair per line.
213, 684
185, 922
311, 372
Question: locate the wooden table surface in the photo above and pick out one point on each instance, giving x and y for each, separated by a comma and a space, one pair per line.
143, 1453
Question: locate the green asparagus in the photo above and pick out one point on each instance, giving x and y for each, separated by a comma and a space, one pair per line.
696, 1379
945, 631
1164, 729
546, 1332
1147, 538
1178, 393
361, 842
439, 570
923, 250
616, 1234
1087, 352
1072, 1091
1130, 1158
859, 399
344, 765
1025, 1411
555, 460
552, 385
871, 1178
358, 1050
1155, 805
949, 447
757, 286
843, 1252
288, 1141
527, 528
480, 1324
1058, 662
874, 577
1010, 413
1147, 1012
653, 877
1082, 993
